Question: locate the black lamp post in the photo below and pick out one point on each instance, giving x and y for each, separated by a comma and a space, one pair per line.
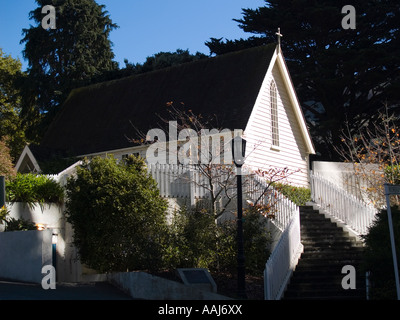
238, 153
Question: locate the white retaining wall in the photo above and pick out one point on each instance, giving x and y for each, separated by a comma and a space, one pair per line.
68, 266
344, 175
141, 285
24, 253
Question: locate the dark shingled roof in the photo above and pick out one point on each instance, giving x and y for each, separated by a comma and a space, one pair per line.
100, 117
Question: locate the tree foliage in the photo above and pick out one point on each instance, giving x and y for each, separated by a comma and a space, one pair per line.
154, 62
339, 74
66, 57
31, 189
163, 60
12, 127
196, 241
6, 165
118, 216
378, 255
374, 151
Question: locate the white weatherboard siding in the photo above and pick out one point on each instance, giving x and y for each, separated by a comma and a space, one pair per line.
292, 151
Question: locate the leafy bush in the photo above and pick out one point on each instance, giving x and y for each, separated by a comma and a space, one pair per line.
192, 242
298, 195
392, 174
256, 241
118, 215
31, 188
13, 224
378, 254
3, 214
6, 165
196, 241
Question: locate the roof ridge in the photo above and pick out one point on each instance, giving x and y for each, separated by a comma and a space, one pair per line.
177, 66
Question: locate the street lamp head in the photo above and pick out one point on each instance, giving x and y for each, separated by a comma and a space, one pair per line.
238, 151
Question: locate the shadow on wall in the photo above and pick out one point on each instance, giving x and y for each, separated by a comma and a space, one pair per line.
51, 217
24, 253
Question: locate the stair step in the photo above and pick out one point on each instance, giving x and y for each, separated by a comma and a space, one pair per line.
321, 284
332, 252
321, 259
325, 298
337, 253
303, 208
324, 266
326, 247
312, 276
324, 290
324, 234
316, 238
321, 228
313, 217
327, 294
328, 242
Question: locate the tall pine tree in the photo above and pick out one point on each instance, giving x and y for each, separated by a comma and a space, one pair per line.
66, 57
340, 75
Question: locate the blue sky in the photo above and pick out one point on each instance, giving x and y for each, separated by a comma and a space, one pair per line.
146, 26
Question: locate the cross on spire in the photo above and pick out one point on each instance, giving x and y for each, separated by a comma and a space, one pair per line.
279, 37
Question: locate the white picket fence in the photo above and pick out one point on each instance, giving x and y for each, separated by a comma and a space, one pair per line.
184, 181
173, 181
283, 260
286, 253
63, 176
342, 205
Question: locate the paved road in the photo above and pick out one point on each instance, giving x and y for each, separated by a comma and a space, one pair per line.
93, 291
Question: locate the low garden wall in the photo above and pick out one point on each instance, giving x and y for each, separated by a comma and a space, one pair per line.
52, 218
141, 285
24, 253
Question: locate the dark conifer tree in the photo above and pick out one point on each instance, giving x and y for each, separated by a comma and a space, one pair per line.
66, 57
340, 74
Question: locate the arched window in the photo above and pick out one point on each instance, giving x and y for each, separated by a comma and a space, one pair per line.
274, 114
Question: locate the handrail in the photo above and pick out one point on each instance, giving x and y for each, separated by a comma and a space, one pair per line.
286, 253
340, 204
283, 260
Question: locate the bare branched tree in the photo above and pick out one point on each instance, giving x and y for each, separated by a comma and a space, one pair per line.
210, 157
374, 151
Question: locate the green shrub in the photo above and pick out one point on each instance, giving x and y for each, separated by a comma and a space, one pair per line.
4, 212
192, 242
392, 174
118, 215
196, 241
31, 188
256, 241
378, 254
298, 195
13, 224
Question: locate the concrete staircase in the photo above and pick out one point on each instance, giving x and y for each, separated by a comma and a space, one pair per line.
327, 249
